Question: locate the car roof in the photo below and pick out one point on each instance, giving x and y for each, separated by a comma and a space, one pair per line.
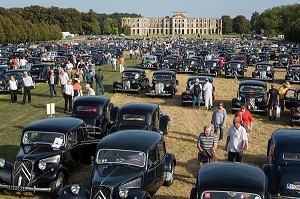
294, 65
138, 107
231, 176
90, 100
45, 65
287, 138
134, 70
253, 82
138, 140
61, 125
169, 72
3, 66
17, 71
264, 63
235, 61
200, 77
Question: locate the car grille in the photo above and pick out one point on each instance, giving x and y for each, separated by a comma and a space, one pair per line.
101, 192
250, 102
22, 173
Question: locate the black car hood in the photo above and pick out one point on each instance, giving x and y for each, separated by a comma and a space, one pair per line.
90, 120
115, 175
37, 152
290, 176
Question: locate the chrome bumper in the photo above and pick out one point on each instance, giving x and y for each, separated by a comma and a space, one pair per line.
20, 188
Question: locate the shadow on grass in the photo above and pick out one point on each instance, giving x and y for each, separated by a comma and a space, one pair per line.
20, 127
191, 166
167, 197
9, 152
188, 137
7, 193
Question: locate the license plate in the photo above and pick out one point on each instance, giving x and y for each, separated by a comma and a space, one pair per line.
293, 186
17, 188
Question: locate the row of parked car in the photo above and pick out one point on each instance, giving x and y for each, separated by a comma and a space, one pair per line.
105, 136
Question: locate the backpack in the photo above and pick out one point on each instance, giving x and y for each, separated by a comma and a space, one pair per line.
197, 89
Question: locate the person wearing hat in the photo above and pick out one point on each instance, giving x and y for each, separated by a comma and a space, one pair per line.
196, 91
282, 91
208, 92
272, 101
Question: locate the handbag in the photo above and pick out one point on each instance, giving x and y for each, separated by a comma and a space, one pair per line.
278, 112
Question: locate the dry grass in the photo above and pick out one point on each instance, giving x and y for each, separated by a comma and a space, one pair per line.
186, 124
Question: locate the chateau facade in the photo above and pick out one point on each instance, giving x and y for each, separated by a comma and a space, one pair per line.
177, 24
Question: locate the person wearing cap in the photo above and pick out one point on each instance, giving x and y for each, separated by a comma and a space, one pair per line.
207, 144
272, 101
236, 141
218, 119
282, 91
208, 92
196, 91
246, 119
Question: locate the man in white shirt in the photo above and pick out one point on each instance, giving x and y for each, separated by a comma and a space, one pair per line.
63, 78
23, 62
27, 84
208, 92
69, 66
236, 141
89, 89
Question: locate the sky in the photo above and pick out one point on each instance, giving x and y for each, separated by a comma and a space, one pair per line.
160, 8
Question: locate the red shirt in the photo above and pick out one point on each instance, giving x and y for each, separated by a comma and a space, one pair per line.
245, 117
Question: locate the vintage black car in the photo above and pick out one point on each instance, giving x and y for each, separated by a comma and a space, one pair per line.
224, 180
170, 62
133, 80
292, 103
187, 97
18, 74
252, 58
150, 62
40, 71
4, 61
3, 69
127, 169
293, 73
263, 71
164, 83
210, 67
188, 65
32, 60
263, 57
60, 61
234, 68
282, 61
282, 170
145, 116
50, 150
95, 112
253, 94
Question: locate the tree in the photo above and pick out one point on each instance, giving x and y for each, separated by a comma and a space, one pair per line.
255, 21
226, 24
125, 30
241, 25
110, 26
293, 31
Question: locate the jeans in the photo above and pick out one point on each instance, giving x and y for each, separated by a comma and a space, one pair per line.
13, 95
27, 92
98, 86
52, 90
216, 128
234, 155
68, 100
198, 98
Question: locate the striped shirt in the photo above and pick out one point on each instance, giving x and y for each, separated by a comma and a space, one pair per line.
206, 142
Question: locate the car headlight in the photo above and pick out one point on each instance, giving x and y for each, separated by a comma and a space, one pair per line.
123, 193
0, 82
132, 184
43, 163
239, 98
269, 72
75, 188
133, 81
2, 163
260, 99
168, 85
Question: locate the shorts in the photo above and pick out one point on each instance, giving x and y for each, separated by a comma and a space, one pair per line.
272, 105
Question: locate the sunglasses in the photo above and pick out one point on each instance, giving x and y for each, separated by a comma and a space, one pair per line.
243, 107
220, 104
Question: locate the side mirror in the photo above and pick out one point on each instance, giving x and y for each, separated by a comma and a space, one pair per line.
161, 113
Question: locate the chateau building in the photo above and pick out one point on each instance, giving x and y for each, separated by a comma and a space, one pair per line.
177, 24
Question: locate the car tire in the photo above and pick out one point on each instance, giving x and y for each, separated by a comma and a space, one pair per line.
170, 182
173, 94
265, 113
57, 185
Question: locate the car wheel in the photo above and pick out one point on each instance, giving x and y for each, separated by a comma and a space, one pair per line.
291, 122
216, 74
173, 94
57, 185
170, 182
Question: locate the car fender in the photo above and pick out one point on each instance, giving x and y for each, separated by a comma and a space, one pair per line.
66, 193
164, 124
114, 114
52, 172
236, 102
170, 160
271, 172
193, 194
6, 173
138, 194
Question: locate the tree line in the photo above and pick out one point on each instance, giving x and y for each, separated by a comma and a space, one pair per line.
277, 20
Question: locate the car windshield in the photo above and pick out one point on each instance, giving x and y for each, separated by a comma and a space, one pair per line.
291, 156
150, 58
191, 82
263, 67
36, 68
162, 77
87, 109
234, 65
16, 74
37, 137
294, 68
188, 61
229, 195
130, 75
134, 117
251, 89
118, 156
169, 60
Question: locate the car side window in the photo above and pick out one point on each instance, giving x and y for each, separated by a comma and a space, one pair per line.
153, 157
161, 149
72, 138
